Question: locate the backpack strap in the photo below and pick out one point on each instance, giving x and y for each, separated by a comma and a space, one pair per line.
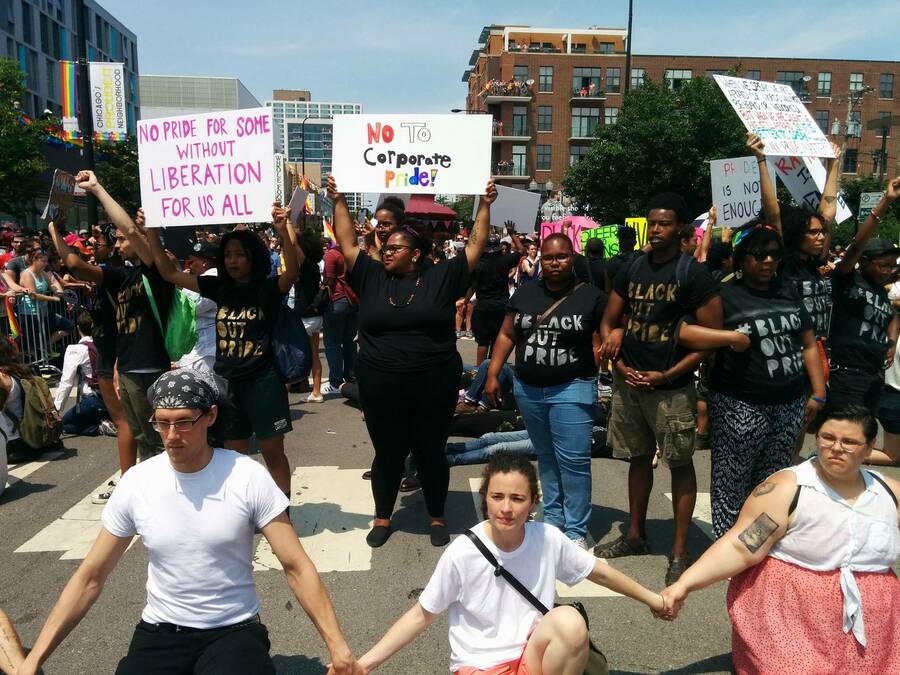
152, 300
500, 571
682, 269
884, 485
542, 318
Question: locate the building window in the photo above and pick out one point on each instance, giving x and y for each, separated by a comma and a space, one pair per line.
754, 75
519, 164
856, 83
579, 48
51, 78
610, 115
520, 73
822, 120
576, 152
886, 85
27, 23
585, 122
678, 76
884, 115
824, 84
543, 157
545, 80
716, 71
613, 78
585, 81
851, 159
605, 48
520, 120
545, 118
637, 78
792, 78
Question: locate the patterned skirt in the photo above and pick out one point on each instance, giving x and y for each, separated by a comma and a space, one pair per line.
788, 619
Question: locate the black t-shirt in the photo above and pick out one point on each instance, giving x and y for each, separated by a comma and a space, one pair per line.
245, 319
589, 270
812, 288
771, 371
415, 334
561, 348
859, 337
140, 344
654, 304
306, 287
616, 262
491, 280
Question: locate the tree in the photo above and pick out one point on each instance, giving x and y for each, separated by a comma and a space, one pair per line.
662, 141
851, 190
21, 147
118, 172
463, 205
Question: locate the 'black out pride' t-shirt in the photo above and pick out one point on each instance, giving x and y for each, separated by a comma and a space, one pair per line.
245, 319
771, 371
561, 348
863, 312
813, 290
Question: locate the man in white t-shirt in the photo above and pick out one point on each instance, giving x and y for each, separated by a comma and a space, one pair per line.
196, 509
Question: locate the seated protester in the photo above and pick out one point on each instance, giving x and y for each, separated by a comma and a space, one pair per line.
202, 611
479, 450
862, 342
88, 417
248, 301
475, 400
202, 262
493, 628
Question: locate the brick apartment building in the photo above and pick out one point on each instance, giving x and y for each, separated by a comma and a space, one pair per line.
548, 89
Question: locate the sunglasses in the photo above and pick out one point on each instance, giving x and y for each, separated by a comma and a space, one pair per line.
762, 256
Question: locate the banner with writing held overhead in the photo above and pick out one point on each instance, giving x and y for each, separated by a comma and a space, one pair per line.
516, 206
736, 190
414, 154
62, 192
804, 177
207, 169
776, 114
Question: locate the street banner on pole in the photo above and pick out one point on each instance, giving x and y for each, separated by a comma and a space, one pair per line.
62, 191
416, 154
208, 168
804, 177
108, 101
736, 190
518, 206
775, 114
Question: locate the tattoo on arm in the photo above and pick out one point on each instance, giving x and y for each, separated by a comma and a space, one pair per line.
763, 488
829, 199
758, 532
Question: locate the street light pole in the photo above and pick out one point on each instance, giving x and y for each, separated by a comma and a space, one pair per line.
85, 117
628, 48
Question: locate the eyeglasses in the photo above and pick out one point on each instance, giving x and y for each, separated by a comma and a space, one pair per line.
393, 248
828, 441
815, 233
179, 425
558, 257
762, 256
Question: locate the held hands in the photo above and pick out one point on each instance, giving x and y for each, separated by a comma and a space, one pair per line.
740, 342
612, 345
86, 180
345, 664
756, 146
673, 597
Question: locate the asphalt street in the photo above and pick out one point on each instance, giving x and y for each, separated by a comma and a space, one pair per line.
47, 524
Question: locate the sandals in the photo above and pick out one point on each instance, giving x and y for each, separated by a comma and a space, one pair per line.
621, 547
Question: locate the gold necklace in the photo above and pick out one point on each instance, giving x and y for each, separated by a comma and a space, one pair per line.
409, 299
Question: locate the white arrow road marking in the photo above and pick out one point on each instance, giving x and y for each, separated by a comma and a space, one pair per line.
330, 510
585, 589
74, 532
702, 513
19, 472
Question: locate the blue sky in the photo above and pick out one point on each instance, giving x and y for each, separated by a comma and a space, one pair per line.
409, 56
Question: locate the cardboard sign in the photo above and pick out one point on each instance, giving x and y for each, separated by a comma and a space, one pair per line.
208, 168
108, 100
62, 191
610, 235
804, 177
518, 206
736, 190
297, 205
775, 114
416, 154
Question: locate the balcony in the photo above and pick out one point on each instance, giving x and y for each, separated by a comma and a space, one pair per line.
591, 94
519, 133
515, 91
507, 171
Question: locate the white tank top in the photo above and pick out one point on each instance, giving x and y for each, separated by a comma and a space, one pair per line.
829, 534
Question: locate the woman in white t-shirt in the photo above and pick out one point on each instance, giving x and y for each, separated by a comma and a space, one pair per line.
493, 629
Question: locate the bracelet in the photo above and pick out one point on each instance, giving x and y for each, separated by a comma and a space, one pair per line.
819, 399
760, 161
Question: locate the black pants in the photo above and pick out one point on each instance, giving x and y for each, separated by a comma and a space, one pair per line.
409, 413
237, 650
848, 386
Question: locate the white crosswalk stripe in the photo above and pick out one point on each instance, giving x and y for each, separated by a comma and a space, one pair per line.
18, 472
702, 513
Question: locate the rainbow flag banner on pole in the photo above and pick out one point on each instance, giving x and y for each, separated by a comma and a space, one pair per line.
68, 87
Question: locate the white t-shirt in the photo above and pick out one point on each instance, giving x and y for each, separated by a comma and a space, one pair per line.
489, 620
198, 528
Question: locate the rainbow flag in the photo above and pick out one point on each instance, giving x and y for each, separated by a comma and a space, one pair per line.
329, 230
68, 86
310, 200
14, 330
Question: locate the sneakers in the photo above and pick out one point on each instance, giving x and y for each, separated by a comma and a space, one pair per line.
328, 389
107, 428
468, 335
621, 547
603, 390
103, 497
458, 334
467, 408
315, 398
676, 568
409, 483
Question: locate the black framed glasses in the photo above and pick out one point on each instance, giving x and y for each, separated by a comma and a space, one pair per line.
558, 257
393, 248
179, 425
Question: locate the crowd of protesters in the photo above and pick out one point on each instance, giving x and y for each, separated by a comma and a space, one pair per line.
743, 346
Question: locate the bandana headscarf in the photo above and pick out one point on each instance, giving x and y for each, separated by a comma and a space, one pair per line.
184, 388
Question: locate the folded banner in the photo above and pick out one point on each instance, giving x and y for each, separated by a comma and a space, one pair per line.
62, 192
417, 154
207, 168
804, 177
108, 101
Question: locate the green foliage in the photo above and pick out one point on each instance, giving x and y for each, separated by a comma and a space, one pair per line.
662, 141
21, 147
118, 172
463, 205
851, 190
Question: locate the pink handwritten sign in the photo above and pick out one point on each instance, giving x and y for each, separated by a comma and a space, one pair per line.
207, 169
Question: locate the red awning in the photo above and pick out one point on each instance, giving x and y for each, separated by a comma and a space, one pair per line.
424, 207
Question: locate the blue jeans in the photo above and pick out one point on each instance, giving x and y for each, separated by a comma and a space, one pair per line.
339, 326
84, 418
475, 392
559, 421
479, 450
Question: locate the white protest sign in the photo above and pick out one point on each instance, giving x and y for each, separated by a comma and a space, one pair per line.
736, 190
804, 177
208, 168
297, 204
417, 154
108, 100
519, 206
402, 196
775, 114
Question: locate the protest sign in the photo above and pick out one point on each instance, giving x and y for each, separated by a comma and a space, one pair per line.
610, 235
108, 100
517, 206
804, 177
207, 168
62, 191
297, 205
775, 114
418, 154
867, 202
736, 190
